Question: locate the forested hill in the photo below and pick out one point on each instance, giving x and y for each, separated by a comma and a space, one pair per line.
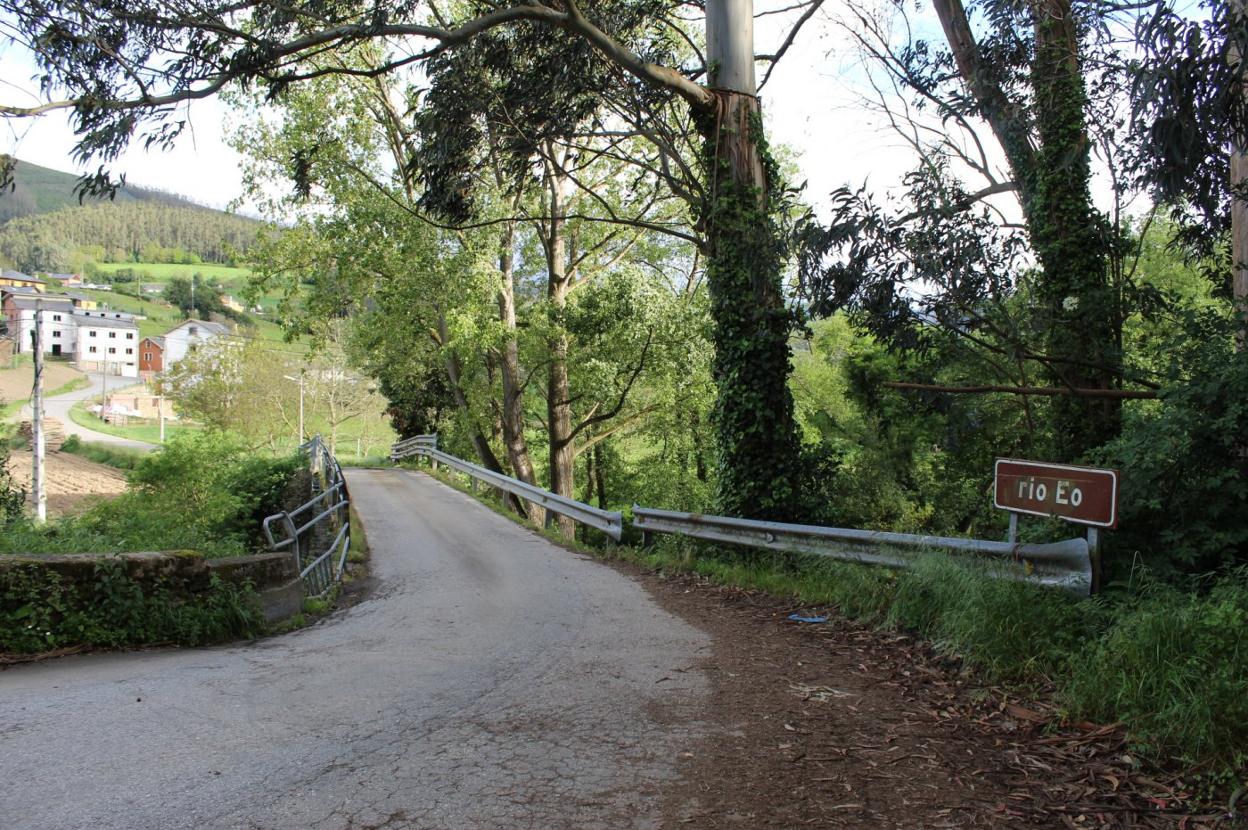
44, 228
43, 190
125, 232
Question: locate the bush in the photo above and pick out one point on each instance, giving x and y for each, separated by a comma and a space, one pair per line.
203, 491
1185, 472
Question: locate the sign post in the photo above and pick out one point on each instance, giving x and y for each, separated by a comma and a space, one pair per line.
1082, 495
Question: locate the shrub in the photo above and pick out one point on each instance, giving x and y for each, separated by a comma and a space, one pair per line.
1185, 472
203, 491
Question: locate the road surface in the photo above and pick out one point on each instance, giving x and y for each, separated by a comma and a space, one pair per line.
491, 679
58, 406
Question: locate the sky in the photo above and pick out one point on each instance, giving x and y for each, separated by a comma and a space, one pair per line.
811, 105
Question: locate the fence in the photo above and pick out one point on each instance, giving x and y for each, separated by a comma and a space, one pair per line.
1065, 565
610, 522
330, 513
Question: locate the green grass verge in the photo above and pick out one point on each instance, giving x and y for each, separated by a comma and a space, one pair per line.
139, 429
123, 458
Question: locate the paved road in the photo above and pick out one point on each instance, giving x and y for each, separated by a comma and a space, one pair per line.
490, 680
58, 406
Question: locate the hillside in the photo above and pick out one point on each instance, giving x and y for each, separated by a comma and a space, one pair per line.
43, 227
39, 190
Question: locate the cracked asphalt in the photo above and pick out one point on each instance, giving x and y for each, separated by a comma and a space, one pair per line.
491, 679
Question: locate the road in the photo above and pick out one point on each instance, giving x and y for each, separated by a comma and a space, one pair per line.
491, 679
58, 406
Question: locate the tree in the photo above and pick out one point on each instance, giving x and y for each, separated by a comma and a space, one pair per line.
130, 85
1045, 83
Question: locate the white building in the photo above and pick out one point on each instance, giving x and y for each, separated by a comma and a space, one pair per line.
59, 330
108, 342
192, 333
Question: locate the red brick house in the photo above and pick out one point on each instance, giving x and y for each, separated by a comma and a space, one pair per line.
151, 357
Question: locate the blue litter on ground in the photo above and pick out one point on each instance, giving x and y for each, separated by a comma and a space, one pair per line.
800, 618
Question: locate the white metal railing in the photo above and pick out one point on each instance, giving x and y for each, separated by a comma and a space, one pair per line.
610, 522
330, 504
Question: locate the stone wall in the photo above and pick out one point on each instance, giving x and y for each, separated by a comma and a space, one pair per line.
272, 575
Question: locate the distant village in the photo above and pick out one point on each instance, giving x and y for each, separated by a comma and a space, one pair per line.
97, 340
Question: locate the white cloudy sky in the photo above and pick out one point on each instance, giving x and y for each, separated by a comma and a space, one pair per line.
811, 103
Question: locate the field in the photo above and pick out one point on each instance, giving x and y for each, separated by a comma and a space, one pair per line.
74, 484
165, 271
231, 280
161, 317
15, 384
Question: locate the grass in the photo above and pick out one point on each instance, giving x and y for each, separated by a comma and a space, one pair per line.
161, 317
123, 458
165, 271
139, 429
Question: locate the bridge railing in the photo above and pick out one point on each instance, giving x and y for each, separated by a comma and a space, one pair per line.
1064, 565
325, 516
610, 522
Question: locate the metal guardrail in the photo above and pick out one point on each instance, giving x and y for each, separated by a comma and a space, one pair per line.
1065, 565
610, 522
330, 503
402, 449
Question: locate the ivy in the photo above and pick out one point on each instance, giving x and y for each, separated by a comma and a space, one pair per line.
758, 448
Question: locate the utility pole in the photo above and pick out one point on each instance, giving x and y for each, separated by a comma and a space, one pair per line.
161, 401
37, 472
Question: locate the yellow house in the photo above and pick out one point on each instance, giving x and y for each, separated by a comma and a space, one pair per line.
16, 279
82, 301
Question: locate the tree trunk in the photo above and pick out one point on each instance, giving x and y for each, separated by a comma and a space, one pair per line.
757, 433
454, 374
509, 360
558, 388
600, 476
1067, 236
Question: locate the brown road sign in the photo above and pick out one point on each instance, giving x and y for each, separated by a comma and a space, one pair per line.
1083, 495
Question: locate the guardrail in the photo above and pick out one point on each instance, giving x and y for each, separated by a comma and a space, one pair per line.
330, 504
401, 449
610, 522
1065, 565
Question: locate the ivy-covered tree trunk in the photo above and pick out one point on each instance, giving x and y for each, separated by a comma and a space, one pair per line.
757, 434
1067, 235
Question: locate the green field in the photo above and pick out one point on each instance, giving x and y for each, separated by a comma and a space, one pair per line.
165, 271
231, 280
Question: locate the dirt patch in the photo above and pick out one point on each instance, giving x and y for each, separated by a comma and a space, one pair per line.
74, 484
15, 383
838, 725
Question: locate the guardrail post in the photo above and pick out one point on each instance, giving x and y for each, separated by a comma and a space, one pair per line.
293, 533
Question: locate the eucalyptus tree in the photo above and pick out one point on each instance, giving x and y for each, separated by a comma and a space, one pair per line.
122, 69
